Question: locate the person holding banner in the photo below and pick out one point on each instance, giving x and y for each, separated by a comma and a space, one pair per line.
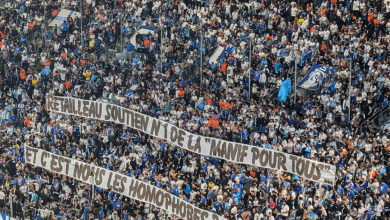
211, 147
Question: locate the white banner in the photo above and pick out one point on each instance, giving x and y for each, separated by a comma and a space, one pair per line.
119, 183
211, 147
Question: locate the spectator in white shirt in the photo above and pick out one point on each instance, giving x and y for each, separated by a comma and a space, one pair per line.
285, 209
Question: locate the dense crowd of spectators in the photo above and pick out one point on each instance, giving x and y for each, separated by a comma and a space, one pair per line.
230, 99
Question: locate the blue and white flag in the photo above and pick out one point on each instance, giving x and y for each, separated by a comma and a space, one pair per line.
285, 90
315, 77
218, 53
144, 30
56, 68
386, 126
63, 16
6, 217
46, 71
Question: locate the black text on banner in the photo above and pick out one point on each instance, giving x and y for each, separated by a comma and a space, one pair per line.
118, 183
230, 151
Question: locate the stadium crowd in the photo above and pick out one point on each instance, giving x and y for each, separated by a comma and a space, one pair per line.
231, 99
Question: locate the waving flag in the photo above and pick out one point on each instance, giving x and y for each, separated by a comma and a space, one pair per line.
285, 90
46, 71
315, 77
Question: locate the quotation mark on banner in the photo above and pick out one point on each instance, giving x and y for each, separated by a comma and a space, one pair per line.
330, 182
326, 168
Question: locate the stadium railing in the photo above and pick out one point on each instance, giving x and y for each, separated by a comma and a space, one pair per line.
378, 119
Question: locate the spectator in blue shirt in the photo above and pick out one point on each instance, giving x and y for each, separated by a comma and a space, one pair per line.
383, 187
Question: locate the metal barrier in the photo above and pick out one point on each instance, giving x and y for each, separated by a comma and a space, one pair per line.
114, 44
107, 50
377, 119
22, 33
191, 70
195, 67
